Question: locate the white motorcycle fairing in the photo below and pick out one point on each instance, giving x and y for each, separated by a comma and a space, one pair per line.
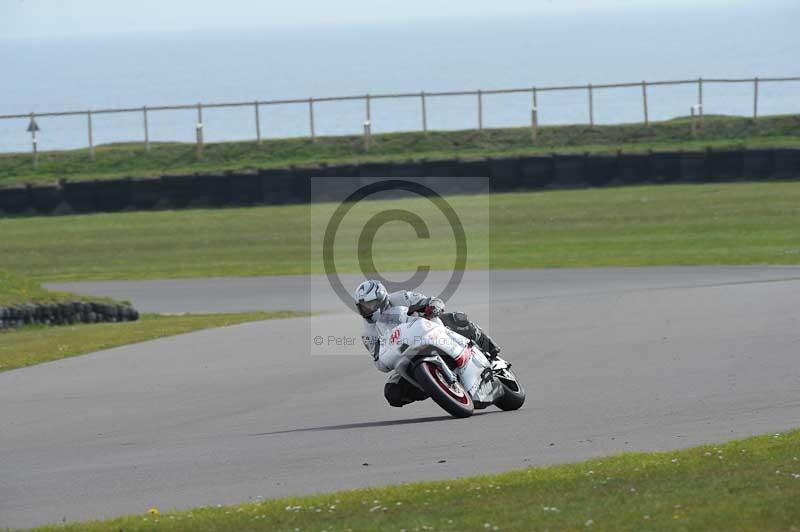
408, 339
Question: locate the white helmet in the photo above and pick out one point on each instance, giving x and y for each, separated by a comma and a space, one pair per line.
370, 296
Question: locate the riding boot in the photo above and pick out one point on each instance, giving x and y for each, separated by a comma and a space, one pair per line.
399, 392
486, 344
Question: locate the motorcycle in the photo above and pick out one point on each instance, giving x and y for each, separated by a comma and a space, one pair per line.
445, 365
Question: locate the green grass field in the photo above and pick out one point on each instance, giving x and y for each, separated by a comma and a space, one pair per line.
121, 160
36, 344
743, 223
745, 485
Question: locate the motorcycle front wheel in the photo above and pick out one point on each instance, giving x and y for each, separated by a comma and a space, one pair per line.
513, 393
451, 397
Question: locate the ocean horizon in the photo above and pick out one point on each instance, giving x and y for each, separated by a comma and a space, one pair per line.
185, 67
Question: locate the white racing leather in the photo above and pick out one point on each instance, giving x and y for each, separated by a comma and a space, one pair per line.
370, 333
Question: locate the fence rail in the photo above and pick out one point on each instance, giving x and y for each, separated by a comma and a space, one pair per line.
423, 96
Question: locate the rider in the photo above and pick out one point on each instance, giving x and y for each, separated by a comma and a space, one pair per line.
371, 297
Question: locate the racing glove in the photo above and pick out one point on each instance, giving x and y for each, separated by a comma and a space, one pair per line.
430, 307
433, 308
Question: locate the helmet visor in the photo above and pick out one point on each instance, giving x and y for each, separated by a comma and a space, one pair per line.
368, 308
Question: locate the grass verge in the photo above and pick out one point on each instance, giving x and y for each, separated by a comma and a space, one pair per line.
37, 344
751, 484
17, 290
740, 223
121, 160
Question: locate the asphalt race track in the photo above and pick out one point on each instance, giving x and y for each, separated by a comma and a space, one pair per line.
613, 360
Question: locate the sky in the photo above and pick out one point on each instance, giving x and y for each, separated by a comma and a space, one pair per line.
36, 18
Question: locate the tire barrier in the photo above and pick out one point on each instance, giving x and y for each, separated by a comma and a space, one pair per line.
44, 198
570, 171
111, 196
406, 169
178, 191
283, 186
757, 161
725, 165
785, 163
80, 195
145, 193
65, 313
666, 167
245, 188
16, 200
694, 168
504, 173
214, 191
601, 170
633, 168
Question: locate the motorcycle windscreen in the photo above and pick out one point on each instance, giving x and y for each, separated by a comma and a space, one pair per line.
390, 318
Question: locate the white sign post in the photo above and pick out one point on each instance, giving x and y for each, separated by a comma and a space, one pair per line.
367, 135
33, 127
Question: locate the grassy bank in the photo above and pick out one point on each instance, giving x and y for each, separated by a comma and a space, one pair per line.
122, 160
744, 223
37, 344
751, 484
18, 290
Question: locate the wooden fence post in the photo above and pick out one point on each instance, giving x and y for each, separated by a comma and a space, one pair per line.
91, 134
755, 99
480, 110
367, 135
424, 113
534, 116
32, 128
146, 129
311, 119
591, 105
199, 130
258, 122
700, 98
644, 101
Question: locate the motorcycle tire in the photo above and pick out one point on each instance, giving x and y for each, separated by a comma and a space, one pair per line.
513, 393
453, 398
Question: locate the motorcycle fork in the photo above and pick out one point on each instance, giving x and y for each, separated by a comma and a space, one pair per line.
448, 374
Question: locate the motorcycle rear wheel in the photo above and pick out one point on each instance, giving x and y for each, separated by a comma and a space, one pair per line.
453, 398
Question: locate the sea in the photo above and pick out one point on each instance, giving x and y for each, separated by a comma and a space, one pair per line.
53, 74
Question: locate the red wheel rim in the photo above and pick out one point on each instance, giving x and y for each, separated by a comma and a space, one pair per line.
455, 390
